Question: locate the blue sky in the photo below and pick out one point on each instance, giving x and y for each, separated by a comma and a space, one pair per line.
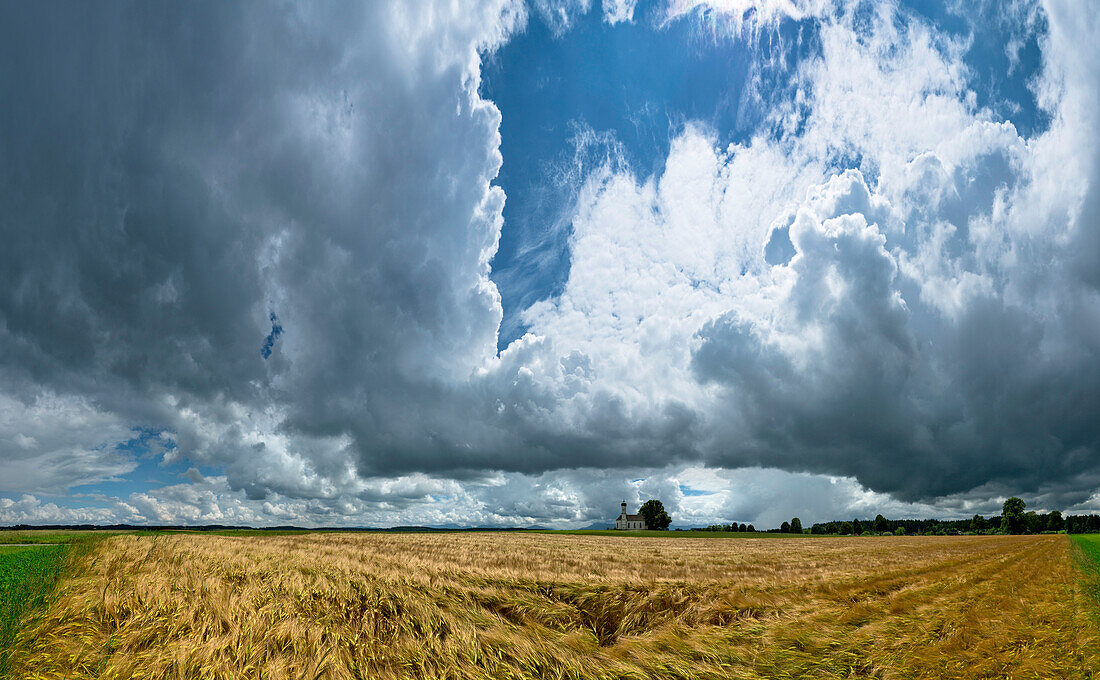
571, 99
512, 263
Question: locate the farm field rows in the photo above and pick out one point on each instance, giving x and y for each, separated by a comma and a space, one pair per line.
524, 605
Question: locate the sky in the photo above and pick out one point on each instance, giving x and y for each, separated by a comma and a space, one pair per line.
510, 263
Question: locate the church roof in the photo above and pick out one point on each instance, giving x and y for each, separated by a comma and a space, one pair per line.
635, 518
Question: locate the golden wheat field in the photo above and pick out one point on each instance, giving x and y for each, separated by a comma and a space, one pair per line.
512, 605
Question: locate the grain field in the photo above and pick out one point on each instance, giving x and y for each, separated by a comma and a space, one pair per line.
516, 605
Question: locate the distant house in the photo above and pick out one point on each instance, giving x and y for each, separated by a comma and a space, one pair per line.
626, 521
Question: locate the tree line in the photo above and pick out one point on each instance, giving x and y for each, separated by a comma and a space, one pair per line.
1014, 519
729, 527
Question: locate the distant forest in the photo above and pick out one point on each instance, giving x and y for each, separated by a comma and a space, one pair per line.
1012, 520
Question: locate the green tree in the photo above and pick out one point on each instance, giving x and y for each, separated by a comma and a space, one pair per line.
857, 528
655, 516
796, 526
978, 524
880, 526
751, 528
845, 529
1034, 523
1055, 521
785, 528
900, 531
1012, 516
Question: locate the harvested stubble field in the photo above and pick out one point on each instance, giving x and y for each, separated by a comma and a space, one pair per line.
484, 605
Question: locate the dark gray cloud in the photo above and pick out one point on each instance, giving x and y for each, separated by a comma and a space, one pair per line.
920, 408
175, 177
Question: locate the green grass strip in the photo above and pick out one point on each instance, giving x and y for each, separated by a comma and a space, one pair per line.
1088, 558
28, 576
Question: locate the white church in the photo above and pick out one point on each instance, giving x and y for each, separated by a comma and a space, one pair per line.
626, 521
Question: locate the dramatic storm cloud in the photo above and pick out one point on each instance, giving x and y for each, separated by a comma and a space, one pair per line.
418, 263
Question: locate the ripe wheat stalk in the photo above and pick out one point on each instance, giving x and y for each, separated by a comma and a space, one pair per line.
342, 606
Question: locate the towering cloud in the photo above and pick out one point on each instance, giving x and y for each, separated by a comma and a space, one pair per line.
175, 177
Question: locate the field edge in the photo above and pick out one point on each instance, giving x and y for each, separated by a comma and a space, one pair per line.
30, 575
